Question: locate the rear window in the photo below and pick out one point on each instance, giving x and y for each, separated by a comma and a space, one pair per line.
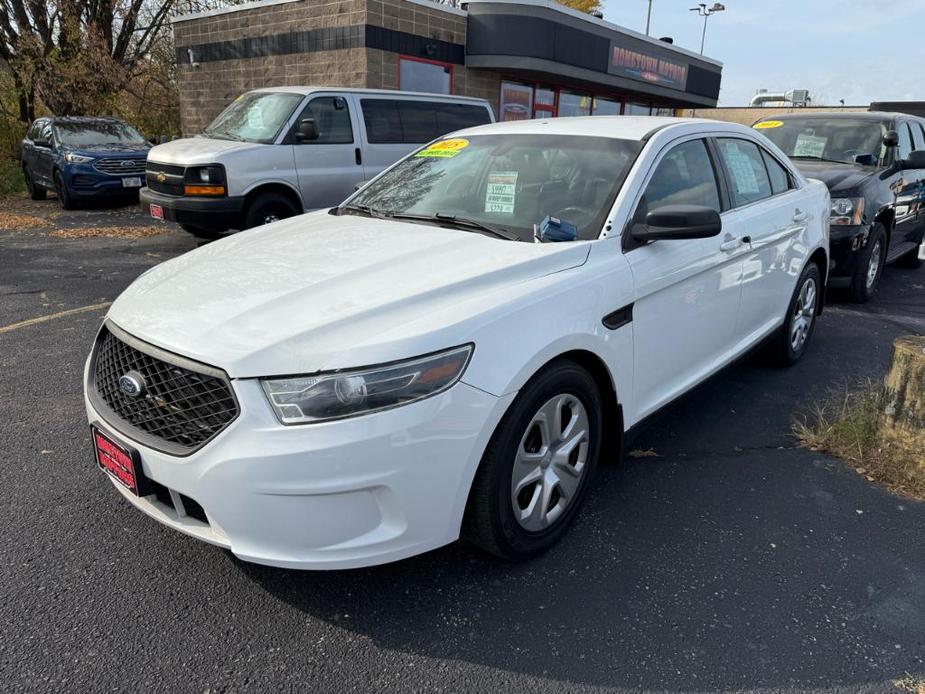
405, 121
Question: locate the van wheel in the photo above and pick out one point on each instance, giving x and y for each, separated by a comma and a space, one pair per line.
871, 260
267, 208
202, 233
794, 336
65, 199
538, 466
36, 192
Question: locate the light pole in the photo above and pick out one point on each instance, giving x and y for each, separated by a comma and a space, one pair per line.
649, 18
705, 12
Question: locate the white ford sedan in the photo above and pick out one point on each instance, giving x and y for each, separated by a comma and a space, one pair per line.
449, 352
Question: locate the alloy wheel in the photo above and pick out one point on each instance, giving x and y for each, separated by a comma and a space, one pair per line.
803, 315
873, 267
551, 461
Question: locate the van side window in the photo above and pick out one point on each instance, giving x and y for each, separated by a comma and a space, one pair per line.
747, 173
411, 122
780, 179
452, 117
332, 118
418, 122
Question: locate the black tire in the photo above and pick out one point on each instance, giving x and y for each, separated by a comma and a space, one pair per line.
36, 192
490, 521
787, 349
911, 260
863, 286
65, 199
267, 208
202, 233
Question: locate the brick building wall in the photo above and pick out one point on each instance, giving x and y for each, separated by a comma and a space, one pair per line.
307, 42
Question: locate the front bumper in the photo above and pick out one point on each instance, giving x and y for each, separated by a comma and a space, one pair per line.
342, 494
218, 214
844, 244
84, 181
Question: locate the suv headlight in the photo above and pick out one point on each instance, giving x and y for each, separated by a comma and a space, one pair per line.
72, 158
847, 211
339, 394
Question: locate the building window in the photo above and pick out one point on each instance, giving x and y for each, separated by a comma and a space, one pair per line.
516, 101
544, 102
662, 111
637, 110
419, 75
606, 107
574, 104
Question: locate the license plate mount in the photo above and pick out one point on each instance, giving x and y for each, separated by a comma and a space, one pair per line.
131, 182
121, 462
157, 212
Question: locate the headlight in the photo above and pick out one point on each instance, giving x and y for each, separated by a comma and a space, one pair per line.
334, 395
847, 211
205, 174
72, 158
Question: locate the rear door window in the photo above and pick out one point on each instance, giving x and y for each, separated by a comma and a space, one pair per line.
780, 179
905, 141
917, 141
406, 121
748, 176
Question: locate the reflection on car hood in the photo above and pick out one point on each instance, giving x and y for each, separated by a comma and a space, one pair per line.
196, 150
839, 178
114, 148
320, 292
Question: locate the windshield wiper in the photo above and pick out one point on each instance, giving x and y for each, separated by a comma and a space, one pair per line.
363, 209
223, 136
465, 222
833, 161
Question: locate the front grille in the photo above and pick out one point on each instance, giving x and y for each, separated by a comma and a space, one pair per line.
121, 167
172, 175
182, 405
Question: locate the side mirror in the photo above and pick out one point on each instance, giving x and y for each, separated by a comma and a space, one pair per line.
306, 130
679, 222
891, 139
915, 160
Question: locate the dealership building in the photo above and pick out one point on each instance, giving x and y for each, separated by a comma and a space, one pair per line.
528, 58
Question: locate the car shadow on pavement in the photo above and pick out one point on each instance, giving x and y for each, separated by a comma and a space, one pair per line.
721, 556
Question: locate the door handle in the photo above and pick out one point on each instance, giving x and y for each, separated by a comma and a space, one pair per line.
730, 244
799, 215
358, 155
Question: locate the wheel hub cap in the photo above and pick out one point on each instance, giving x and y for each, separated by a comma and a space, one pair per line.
874, 266
803, 315
551, 462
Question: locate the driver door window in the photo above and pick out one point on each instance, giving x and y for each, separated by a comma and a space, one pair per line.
684, 176
332, 119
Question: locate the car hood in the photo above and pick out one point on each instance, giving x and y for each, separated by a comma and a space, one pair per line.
196, 150
320, 292
838, 178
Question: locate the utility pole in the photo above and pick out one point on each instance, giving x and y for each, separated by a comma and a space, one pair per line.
706, 12
649, 18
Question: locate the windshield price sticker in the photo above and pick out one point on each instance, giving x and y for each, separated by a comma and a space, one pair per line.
501, 192
445, 148
809, 146
768, 124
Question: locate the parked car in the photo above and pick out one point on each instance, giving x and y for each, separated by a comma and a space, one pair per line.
83, 158
874, 166
275, 153
448, 351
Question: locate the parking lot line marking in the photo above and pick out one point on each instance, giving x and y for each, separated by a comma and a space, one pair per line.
52, 316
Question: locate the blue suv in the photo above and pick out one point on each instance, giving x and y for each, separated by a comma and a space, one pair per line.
82, 158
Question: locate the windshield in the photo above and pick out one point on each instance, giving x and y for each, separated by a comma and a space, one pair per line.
848, 140
506, 182
254, 117
92, 134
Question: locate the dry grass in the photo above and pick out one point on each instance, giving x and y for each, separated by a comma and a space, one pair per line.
122, 232
910, 684
847, 425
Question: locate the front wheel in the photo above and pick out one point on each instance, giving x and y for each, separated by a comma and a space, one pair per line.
537, 468
794, 336
267, 208
65, 199
871, 260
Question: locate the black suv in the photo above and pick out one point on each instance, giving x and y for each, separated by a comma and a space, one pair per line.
874, 166
82, 157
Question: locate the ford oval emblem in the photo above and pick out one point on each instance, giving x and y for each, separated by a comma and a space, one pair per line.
132, 384
126, 162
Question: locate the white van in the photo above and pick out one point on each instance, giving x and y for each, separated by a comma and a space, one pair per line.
275, 153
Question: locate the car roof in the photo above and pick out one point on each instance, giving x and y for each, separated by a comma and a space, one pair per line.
305, 90
617, 127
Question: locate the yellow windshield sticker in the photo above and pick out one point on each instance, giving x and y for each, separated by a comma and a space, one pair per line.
768, 124
445, 148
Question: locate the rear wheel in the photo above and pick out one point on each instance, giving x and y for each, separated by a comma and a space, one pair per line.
36, 192
267, 208
537, 468
871, 260
65, 199
798, 328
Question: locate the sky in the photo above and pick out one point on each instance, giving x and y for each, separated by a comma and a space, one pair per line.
856, 50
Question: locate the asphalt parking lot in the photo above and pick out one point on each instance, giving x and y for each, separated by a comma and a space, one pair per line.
727, 559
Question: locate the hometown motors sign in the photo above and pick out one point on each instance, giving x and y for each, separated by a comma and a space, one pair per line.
646, 67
